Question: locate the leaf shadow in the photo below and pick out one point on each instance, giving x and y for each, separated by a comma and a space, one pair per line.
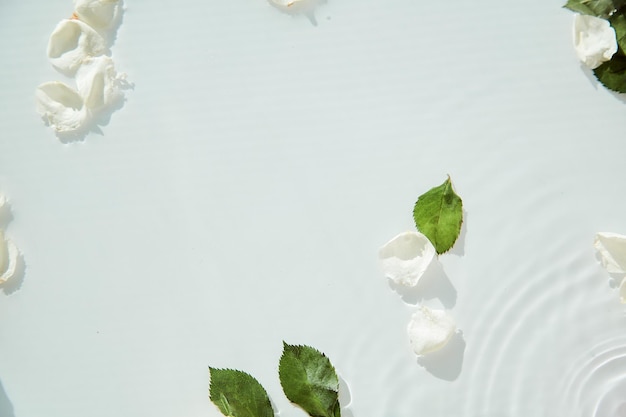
433, 284
446, 363
305, 7
6, 407
459, 246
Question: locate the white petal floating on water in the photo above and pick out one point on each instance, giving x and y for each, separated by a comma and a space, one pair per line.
430, 330
99, 84
612, 250
99, 14
594, 40
286, 3
622, 291
3, 201
61, 106
71, 43
405, 258
8, 258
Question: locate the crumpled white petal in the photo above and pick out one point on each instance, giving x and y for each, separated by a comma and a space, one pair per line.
61, 106
99, 14
8, 258
71, 43
286, 3
99, 84
405, 258
612, 250
594, 40
430, 330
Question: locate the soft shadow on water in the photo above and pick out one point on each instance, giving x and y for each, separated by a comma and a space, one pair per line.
433, 284
304, 7
447, 362
6, 408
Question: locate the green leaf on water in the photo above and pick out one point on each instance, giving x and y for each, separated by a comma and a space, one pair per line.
438, 214
597, 8
309, 380
238, 394
612, 74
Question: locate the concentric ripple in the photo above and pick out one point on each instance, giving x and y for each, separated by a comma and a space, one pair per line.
597, 385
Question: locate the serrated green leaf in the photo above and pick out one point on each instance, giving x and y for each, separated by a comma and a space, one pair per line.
612, 74
438, 214
597, 8
238, 394
309, 380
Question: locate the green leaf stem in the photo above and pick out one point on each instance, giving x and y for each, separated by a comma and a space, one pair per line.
597, 8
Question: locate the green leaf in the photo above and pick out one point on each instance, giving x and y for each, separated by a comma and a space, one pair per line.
597, 8
613, 73
238, 394
438, 214
309, 380
618, 22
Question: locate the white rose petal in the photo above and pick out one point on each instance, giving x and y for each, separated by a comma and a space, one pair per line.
71, 42
430, 330
594, 40
285, 3
8, 258
99, 14
3, 201
99, 84
405, 258
61, 106
612, 250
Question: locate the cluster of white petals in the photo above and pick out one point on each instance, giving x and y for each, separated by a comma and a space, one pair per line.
78, 48
430, 330
611, 249
8, 253
594, 40
404, 260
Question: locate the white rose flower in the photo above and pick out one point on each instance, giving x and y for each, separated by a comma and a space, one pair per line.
405, 258
99, 14
430, 330
594, 40
61, 107
71, 43
8, 258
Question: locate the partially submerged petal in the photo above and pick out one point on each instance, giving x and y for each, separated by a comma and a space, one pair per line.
622, 291
405, 258
8, 258
430, 330
99, 84
60, 106
594, 40
99, 14
612, 250
71, 42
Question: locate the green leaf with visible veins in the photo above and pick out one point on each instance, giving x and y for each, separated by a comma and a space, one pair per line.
438, 214
597, 8
309, 380
238, 394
